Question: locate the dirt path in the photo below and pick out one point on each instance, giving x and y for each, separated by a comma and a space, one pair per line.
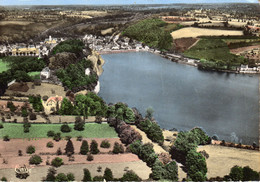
222, 159
38, 173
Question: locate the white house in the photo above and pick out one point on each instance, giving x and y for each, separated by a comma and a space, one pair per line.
45, 73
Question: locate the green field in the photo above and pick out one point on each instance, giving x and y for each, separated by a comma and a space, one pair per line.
215, 53
92, 130
3, 66
34, 74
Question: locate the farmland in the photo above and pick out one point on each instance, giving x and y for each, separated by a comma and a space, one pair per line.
196, 32
92, 130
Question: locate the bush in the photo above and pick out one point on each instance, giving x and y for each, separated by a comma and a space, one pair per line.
90, 157
1, 126
57, 162
65, 128
69, 149
3, 179
6, 138
32, 116
35, 159
118, 148
79, 138
57, 137
59, 152
20, 153
61, 177
98, 178
108, 175
130, 176
45, 98
84, 147
70, 177
49, 144
105, 144
87, 175
30, 149
94, 147
50, 133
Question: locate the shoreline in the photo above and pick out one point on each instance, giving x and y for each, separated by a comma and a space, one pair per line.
177, 58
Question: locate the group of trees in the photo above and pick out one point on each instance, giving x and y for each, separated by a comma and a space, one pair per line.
152, 130
74, 78
51, 176
151, 32
160, 171
36, 103
126, 133
184, 150
73, 46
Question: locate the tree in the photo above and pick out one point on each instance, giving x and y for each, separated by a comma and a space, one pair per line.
79, 124
149, 113
108, 175
70, 177
69, 148
118, 148
57, 162
236, 173
11, 106
94, 147
51, 174
65, 128
84, 148
61, 177
87, 175
171, 172
35, 159
130, 176
195, 162
66, 107
32, 116
250, 175
157, 170
129, 116
30, 149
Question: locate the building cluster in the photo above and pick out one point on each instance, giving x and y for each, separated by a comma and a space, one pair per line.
22, 49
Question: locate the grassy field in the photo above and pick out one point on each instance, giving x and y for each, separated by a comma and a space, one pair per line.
3, 66
92, 130
35, 74
214, 53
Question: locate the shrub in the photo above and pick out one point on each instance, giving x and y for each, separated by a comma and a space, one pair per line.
30, 149
84, 147
90, 157
3, 179
70, 177
118, 148
51, 174
20, 153
61, 177
57, 137
98, 178
130, 176
79, 138
57, 162
59, 152
1, 126
6, 138
105, 144
32, 116
94, 147
45, 98
35, 159
50, 133
65, 128
49, 144
108, 175
87, 175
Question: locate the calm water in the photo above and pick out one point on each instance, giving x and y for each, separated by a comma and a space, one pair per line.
182, 96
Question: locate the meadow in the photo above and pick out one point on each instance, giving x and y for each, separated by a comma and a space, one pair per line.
3, 65
92, 130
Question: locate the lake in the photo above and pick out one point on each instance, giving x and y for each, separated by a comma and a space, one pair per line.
182, 96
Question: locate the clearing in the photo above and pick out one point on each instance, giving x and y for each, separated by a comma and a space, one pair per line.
222, 159
196, 32
92, 130
3, 66
44, 89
